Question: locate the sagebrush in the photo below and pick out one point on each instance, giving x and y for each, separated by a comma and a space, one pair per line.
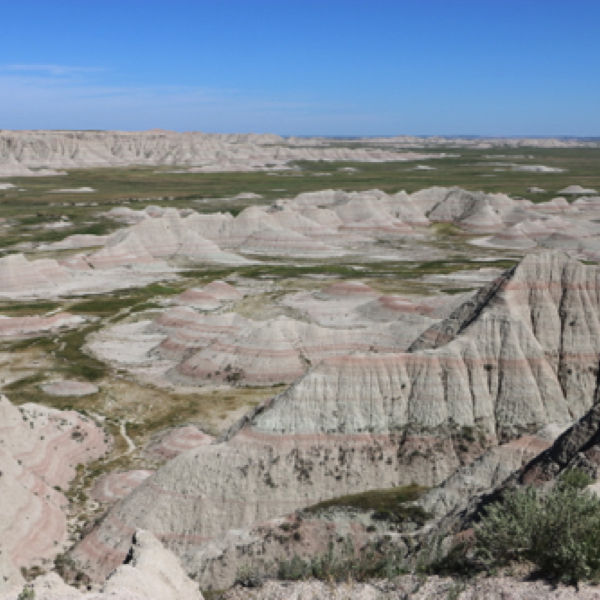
558, 531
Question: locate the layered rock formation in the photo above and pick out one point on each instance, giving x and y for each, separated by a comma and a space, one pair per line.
317, 225
578, 446
202, 349
21, 278
411, 141
177, 441
210, 297
522, 354
152, 240
39, 450
331, 222
114, 486
462, 498
22, 151
352, 304
17, 274
276, 351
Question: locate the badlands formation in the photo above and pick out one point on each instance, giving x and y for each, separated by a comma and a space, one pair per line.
41, 153
518, 357
39, 451
320, 226
361, 340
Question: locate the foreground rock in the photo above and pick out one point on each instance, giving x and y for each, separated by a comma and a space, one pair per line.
461, 500
149, 573
153, 572
519, 356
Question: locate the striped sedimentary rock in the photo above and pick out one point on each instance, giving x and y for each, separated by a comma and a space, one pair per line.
39, 451
521, 354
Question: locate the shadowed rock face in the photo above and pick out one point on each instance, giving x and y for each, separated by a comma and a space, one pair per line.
522, 354
462, 498
579, 447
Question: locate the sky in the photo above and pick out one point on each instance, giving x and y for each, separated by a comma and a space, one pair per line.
303, 67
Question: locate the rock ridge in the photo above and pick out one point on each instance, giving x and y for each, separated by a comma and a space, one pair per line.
525, 356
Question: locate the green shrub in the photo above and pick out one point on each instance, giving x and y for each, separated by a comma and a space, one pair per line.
27, 593
338, 563
343, 565
388, 503
557, 531
575, 478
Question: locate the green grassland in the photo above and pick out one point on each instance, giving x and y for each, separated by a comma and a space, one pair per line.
388, 503
27, 212
471, 169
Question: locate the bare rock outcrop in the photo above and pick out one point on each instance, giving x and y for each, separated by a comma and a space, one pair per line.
149, 573
152, 572
114, 486
321, 225
176, 441
39, 450
157, 239
270, 352
210, 297
17, 274
578, 446
520, 355
20, 150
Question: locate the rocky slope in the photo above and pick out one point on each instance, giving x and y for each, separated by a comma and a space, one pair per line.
521, 355
39, 450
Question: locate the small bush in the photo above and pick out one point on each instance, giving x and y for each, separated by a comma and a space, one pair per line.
370, 563
339, 563
27, 593
557, 531
575, 478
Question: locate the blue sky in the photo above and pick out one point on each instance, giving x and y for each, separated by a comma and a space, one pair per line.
328, 67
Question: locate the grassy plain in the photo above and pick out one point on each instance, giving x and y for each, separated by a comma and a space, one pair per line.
471, 169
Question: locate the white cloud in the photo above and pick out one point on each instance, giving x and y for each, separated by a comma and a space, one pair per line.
31, 99
52, 70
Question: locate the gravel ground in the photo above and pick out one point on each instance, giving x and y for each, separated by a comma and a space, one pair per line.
415, 588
